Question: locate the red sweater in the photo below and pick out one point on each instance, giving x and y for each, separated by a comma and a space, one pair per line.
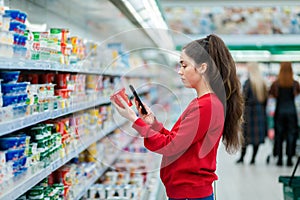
189, 149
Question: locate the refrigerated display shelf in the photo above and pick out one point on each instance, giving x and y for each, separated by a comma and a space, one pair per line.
84, 144
143, 90
23, 122
90, 183
101, 172
151, 189
42, 65
155, 192
26, 181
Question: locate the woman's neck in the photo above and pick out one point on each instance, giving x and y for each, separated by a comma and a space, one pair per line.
200, 94
203, 89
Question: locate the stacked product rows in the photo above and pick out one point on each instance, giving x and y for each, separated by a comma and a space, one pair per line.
56, 121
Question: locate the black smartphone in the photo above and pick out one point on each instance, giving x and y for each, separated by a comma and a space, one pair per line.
144, 111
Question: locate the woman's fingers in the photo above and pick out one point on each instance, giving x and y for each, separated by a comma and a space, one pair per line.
140, 108
116, 105
123, 102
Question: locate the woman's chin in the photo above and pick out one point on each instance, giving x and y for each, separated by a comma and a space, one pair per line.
187, 86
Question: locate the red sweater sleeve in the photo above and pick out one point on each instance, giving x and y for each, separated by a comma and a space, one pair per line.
192, 125
157, 126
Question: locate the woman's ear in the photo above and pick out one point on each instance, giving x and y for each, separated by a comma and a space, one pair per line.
202, 68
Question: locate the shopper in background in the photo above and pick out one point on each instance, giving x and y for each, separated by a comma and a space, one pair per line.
284, 89
189, 149
255, 119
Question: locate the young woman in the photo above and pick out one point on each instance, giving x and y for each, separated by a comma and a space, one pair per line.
255, 119
189, 149
284, 89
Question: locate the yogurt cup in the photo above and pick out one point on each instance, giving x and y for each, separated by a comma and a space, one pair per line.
121, 93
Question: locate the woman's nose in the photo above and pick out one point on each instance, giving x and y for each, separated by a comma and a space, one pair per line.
179, 71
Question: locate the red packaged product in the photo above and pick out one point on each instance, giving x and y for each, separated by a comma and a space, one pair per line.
121, 93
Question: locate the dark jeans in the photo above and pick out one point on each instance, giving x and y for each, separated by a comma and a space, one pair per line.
211, 197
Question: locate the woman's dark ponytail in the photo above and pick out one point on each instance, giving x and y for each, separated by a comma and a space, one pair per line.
232, 134
225, 83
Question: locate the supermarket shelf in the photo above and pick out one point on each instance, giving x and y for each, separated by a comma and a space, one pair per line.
27, 180
90, 183
19, 123
140, 92
85, 143
43, 65
26, 121
23, 122
22, 64
101, 172
154, 194
80, 106
144, 90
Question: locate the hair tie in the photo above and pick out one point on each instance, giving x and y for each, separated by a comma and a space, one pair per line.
206, 43
208, 37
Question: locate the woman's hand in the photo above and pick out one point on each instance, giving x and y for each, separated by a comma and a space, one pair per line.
125, 112
148, 118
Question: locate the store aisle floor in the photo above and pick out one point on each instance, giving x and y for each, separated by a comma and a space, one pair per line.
250, 182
